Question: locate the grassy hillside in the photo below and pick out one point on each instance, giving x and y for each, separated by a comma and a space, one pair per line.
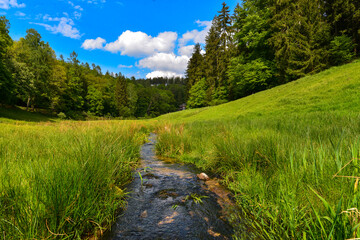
15, 114
336, 89
283, 152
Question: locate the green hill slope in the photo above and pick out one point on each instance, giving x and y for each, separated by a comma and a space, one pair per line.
335, 89
282, 152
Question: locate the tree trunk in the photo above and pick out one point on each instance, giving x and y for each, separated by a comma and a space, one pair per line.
28, 104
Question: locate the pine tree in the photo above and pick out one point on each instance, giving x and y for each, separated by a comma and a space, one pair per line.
212, 48
195, 68
224, 28
121, 97
344, 18
299, 38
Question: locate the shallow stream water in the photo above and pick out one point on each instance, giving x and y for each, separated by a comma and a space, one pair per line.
168, 201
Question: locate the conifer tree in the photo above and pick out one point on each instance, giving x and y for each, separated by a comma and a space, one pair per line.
121, 97
300, 34
212, 48
195, 68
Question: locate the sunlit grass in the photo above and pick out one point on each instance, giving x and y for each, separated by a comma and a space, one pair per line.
64, 180
279, 150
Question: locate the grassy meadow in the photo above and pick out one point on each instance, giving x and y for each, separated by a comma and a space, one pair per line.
64, 180
290, 154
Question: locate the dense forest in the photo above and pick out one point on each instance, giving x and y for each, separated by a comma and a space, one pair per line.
32, 76
265, 43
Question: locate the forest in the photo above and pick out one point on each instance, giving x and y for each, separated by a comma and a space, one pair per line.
266, 43
33, 77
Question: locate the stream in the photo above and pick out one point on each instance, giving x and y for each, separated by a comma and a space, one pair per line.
168, 201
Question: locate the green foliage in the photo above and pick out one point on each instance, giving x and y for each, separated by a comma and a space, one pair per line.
250, 77
95, 101
7, 85
341, 50
197, 94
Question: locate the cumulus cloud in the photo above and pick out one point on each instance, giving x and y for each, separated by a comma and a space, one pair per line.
64, 27
91, 44
165, 63
186, 50
163, 74
137, 44
7, 4
195, 35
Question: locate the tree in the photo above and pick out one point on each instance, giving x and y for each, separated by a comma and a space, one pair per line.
344, 18
212, 46
95, 101
195, 67
39, 58
341, 50
197, 95
300, 37
121, 97
7, 86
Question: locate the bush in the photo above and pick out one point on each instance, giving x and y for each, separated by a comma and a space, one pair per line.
341, 50
61, 115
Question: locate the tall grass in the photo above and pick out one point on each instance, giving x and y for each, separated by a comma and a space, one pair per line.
281, 169
64, 180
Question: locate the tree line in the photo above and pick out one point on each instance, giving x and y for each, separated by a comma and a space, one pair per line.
32, 76
265, 43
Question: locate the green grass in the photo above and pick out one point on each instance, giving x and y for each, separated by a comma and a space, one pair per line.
278, 151
64, 180
336, 89
17, 114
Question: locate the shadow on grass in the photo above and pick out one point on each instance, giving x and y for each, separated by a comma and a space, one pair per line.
18, 114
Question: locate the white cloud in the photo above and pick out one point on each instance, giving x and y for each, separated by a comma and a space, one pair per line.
7, 4
91, 44
20, 14
77, 7
64, 27
125, 66
2, 13
95, 1
186, 50
163, 74
77, 15
195, 35
136, 44
165, 62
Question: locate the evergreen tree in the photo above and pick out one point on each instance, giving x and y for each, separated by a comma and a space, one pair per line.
121, 97
224, 28
344, 18
195, 67
300, 37
212, 48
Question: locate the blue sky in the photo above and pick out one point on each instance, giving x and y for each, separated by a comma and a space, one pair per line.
141, 38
